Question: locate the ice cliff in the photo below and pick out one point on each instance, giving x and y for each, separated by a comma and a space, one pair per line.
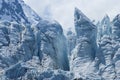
33, 48
85, 49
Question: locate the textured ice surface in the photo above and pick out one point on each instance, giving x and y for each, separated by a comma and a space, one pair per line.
53, 45
32, 48
104, 27
83, 54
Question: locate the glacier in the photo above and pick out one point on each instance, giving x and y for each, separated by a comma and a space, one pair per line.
34, 48
85, 49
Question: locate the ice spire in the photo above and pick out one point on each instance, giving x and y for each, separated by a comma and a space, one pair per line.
106, 25
85, 48
82, 23
116, 27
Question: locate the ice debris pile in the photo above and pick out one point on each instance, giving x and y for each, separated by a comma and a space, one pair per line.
33, 48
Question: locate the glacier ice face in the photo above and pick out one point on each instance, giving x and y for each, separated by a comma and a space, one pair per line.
105, 61
106, 25
32, 48
32, 16
18, 69
17, 41
99, 31
71, 41
18, 11
116, 27
82, 24
27, 50
104, 28
19, 44
108, 49
12, 11
53, 44
85, 49
107, 70
86, 38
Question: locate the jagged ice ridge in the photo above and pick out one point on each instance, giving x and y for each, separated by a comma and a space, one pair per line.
33, 48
